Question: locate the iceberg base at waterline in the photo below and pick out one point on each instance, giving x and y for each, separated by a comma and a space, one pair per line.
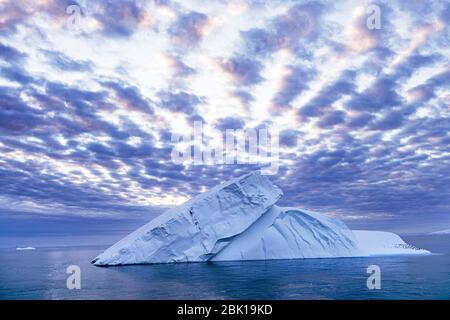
239, 220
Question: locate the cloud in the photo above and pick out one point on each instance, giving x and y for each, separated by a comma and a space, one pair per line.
244, 71
86, 118
180, 101
260, 42
300, 23
16, 116
380, 95
18, 75
392, 120
12, 14
331, 119
131, 97
119, 19
187, 30
230, 123
64, 63
289, 138
10, 54
328, 95
293, 85
360, 120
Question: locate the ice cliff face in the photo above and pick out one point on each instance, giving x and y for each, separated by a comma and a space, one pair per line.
237, 220
199, 228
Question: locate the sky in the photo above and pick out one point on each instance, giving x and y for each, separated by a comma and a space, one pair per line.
89, 103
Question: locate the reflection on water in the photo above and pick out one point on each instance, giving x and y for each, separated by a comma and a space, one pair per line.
40, 274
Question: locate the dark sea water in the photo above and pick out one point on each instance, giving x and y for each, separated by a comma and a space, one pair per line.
41, 274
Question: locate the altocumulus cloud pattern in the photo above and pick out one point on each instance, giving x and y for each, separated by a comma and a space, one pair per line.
87, 110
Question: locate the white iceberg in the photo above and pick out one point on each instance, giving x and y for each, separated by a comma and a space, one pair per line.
440, 232
238, 220
25, 248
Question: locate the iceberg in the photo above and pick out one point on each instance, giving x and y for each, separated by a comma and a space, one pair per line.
440, 232
374, 243
239, 220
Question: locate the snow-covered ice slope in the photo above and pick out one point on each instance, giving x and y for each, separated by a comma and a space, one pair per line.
374, 243
199, 228
289, 233
238, 220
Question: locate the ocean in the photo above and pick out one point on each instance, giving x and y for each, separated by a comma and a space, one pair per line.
41, 274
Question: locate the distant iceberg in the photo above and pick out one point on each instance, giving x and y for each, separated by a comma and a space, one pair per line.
238, 220
25, 248
440, 232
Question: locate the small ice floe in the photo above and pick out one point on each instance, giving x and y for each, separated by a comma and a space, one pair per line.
25, 248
